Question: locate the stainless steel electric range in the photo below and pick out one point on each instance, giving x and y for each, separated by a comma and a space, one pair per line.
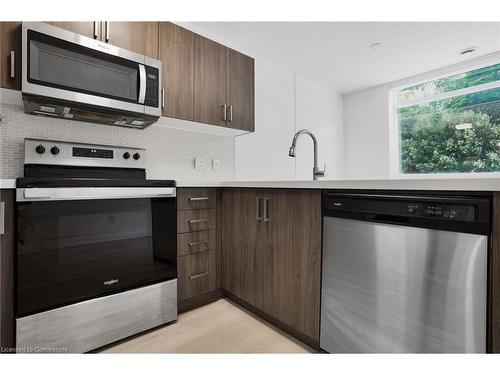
96, 247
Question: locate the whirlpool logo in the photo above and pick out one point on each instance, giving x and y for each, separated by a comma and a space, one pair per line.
110, 282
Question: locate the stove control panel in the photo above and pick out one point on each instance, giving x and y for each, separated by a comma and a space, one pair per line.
43, 151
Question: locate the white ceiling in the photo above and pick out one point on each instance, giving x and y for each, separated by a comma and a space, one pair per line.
338, 53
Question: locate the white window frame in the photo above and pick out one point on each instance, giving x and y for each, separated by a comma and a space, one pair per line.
395, 87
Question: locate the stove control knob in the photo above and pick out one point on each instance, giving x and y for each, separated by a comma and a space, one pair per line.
126, 155
137, 156
54, 150
40, 149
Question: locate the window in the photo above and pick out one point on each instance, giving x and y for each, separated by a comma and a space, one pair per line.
450, 124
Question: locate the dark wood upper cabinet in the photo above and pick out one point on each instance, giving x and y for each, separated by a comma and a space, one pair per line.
10, 55
223, 86
140, 37
210, 74
240, 91
90, 29
176, 51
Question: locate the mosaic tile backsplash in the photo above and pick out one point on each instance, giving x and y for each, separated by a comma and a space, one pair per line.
170, 152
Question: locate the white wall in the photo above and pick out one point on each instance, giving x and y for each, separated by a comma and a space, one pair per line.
263, 155
366, 134
318, 109
284, 103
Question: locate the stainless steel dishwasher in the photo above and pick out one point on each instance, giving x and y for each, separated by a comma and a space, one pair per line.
404, 274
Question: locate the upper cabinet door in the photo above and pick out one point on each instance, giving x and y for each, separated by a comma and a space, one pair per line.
176, 48
140, 37
91, 29
240, 91
210, 70
10, 54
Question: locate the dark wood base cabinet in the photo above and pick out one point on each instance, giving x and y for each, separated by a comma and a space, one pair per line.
271, 255
7, 337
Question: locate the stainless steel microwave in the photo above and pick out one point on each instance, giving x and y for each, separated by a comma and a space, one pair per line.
75, 77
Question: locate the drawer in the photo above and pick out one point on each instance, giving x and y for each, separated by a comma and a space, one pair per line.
195, 220
196, 198
195, 274
195, 242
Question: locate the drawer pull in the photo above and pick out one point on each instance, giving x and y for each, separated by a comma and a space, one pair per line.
197, 243
198, 275
196, 221
194, 199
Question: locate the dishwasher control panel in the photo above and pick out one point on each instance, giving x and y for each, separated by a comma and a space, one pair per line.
468, 214
445, 211
424, 208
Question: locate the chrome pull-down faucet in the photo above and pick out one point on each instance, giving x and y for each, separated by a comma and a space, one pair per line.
316, 171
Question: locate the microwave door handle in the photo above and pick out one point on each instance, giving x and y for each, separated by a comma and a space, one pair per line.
142, 84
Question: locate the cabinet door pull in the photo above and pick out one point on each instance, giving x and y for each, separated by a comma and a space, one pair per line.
259, 216
163, 98
266, 210
2, 218
196, 221
107, 31
223, 111
191, 244
96, 32
230, 107
198, 275
12, 64
198, 199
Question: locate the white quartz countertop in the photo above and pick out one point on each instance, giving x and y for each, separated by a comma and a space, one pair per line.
7, 183
449, 184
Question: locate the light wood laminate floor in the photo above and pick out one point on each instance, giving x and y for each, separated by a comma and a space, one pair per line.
220, 327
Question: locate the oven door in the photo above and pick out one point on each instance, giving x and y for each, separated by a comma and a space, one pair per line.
70, 249
64, 65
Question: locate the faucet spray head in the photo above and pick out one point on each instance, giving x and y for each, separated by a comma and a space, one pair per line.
291, 152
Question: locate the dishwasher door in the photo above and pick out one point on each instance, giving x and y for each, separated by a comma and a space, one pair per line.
395, 289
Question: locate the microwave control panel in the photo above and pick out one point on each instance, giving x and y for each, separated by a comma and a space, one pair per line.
152, 87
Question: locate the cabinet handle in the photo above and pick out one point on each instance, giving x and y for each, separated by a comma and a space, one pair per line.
2, 218
191, 244
163, 98
96, 32
266, 210
230, 113
12, 64
198, 199
198, 275
259, 216
107, 31
196, 221
223, 111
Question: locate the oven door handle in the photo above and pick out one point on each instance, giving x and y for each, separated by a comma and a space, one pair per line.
142, 84
88, 193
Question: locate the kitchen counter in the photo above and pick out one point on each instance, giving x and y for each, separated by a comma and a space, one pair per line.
451, 184
7, 183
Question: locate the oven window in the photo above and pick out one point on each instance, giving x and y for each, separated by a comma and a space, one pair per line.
56, 63
68, 251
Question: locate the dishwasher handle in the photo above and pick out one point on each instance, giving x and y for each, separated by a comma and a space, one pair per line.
387, 219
